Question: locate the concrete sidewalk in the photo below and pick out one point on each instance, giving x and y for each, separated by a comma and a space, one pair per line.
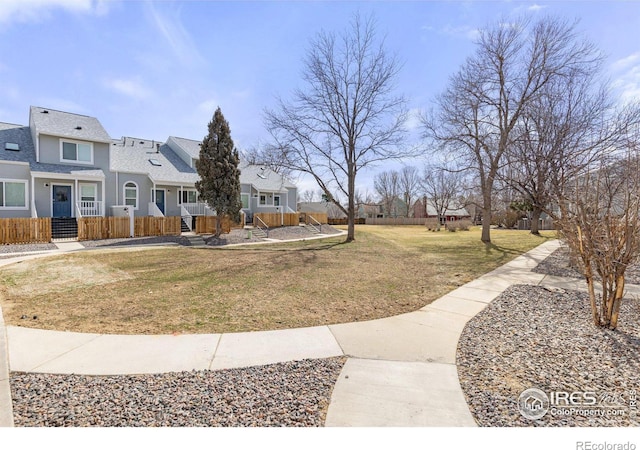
400, 370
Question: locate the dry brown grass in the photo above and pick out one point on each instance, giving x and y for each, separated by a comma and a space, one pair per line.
387, 271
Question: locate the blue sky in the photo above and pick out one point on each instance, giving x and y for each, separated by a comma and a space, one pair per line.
151, 69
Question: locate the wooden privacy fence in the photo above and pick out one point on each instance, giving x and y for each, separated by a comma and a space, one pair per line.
90, 228
345, 221
277, 219
157, 226
25, 230
320, 217
207, 224
395, 221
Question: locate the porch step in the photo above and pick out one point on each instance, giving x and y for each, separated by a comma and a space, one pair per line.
64, 228
195, 240
184, 228
312, 228
257, 232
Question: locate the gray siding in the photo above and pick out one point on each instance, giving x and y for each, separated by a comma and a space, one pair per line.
16, 172
144, 192
50, 153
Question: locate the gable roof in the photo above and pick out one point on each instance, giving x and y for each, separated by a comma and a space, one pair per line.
189, 146
69, 125
134, 155
16, 134
263, 179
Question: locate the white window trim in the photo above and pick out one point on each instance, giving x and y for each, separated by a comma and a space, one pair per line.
75, 161
26, 195
279, 197
95, 188
180, 191
248, 199
124, 194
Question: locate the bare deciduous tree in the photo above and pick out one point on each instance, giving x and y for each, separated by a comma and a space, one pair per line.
409, 185
477, 114
387, 185
600, 221
442, 188
348, 116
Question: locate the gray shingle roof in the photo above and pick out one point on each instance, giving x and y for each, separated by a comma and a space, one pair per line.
189, 146
263, 178
16, 134
74, 126
65, 169
132, 155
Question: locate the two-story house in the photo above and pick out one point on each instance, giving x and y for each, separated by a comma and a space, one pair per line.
65, 165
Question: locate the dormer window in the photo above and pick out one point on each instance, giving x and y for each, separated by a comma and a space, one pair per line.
76, 152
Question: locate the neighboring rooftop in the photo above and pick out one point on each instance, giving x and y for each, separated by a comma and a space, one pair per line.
135, 155
20, 136
64, 124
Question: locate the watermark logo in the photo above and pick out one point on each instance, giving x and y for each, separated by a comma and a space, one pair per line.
533, 404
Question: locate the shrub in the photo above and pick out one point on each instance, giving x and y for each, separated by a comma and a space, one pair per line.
431, 224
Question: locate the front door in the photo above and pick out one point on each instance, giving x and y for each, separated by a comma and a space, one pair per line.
61, 201
160, 199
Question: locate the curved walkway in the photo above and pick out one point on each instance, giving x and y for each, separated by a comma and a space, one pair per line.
400, 371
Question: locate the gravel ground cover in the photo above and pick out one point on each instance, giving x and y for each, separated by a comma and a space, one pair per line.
293, 394
239, 236
533, 337
23, 248
559, 264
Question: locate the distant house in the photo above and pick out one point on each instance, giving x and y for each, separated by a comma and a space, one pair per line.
65, 165
424, 209
330, 209
370, 211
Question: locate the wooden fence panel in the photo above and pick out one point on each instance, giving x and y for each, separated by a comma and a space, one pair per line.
25, 230
90, 228
396, 221
274, 220
207, 224
157, 226
320, 217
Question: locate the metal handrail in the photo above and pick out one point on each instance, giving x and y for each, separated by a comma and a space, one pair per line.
266, 227
184, 213
309, 216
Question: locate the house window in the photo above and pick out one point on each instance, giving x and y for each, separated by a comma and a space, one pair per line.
77, 152
187, 196
131, 194
263, 199
13, 194
88, 192
276, 200
245, 200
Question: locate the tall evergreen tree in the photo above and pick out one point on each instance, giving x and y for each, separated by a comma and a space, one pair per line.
219, 183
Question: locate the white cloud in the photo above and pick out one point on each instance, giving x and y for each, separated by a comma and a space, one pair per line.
460, 31
536, 7
178, 38
209, 106
37, 10
413, 119
132, 87
625, 73
624, 63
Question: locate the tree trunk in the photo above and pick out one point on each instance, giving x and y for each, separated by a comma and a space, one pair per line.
351, 216
486, 211
439, 219
535, 220
218, 226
